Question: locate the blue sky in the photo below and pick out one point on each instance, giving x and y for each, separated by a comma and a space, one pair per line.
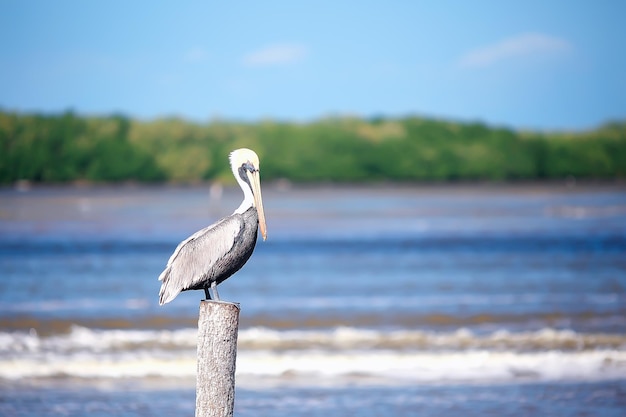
533, 64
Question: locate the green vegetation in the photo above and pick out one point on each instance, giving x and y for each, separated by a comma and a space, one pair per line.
67, 147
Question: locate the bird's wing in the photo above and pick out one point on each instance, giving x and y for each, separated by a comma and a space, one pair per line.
196, 255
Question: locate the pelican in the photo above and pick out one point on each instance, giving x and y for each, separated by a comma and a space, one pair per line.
213, 254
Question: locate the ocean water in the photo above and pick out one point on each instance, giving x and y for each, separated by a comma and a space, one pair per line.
364, 301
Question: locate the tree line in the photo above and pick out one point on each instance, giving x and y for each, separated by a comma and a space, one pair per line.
66, 147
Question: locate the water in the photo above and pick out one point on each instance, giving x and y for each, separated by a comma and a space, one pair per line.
457, 300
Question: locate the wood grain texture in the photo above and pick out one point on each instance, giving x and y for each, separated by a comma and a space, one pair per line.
218, 326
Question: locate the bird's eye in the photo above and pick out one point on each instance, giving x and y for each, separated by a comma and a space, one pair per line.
248, 167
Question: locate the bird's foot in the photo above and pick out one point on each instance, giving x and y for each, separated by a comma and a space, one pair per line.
214, 290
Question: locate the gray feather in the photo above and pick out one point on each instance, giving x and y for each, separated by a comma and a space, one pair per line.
211, 254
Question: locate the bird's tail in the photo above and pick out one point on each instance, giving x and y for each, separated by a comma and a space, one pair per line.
166, 293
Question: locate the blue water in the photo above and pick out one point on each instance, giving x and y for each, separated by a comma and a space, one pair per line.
566, 399
454, 300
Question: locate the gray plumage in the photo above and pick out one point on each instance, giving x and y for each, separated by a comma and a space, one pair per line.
210, 255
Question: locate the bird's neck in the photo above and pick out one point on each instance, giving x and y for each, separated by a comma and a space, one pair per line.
248, 198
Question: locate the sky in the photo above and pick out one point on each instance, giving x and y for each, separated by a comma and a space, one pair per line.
549, 65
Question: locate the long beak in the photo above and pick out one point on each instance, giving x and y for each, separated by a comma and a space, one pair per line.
258, 202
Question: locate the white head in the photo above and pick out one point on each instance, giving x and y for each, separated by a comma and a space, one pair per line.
245, 166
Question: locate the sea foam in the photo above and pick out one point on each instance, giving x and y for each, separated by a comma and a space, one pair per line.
315, 356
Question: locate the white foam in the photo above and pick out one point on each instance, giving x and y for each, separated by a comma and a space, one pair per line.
356, 338
95, 366
381, 366
438, 367
341, 338
315, 356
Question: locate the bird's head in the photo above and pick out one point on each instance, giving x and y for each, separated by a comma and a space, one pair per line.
245, 166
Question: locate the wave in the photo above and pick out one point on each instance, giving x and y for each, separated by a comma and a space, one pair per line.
346, 338
398, 356
436, 367
380, 367
342, 338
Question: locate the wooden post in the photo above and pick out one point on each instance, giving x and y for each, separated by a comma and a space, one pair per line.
218, 325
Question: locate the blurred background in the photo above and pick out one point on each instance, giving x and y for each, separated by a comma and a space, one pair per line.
444, 192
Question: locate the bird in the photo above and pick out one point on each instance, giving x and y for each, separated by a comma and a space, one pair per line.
213, 254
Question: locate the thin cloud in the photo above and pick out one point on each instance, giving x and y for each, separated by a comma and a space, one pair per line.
524, 45
273, 55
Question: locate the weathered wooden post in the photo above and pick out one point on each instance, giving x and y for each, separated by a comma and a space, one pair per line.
218, 325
